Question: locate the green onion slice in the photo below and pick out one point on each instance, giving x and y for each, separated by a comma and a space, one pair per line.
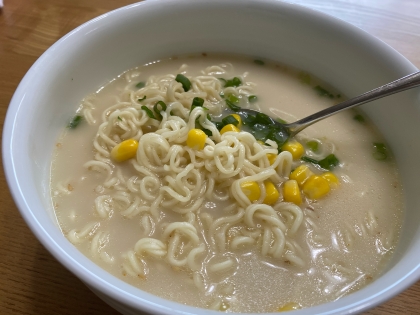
313, 145
264, 119
233, 98
140, 85
232, 106
309, 160
259, 62
252, 98
219, 125
359, 118
197, 101
75, 121
381, 151
282, 121
186, 83
199, 126
148, 112
247, 119
323, 92
278, 135
230, 120
233, 82
328, 163
142, 99
157, 110
263, 127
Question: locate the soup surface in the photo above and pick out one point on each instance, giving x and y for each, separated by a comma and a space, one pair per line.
230, 220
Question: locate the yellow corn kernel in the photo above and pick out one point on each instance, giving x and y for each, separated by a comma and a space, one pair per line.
271, 158
238, 118
291, 192
316, 187
251, 190
289, 307
271, 193
124, 150
331, 178
295, 148
301, 174
196, 139
230, 127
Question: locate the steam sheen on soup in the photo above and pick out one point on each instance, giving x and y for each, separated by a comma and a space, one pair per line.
159, 181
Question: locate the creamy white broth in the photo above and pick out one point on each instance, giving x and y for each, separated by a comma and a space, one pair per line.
346, 237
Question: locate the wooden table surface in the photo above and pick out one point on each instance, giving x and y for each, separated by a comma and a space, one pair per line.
31, 280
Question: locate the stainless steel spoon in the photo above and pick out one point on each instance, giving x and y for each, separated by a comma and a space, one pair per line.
402, 84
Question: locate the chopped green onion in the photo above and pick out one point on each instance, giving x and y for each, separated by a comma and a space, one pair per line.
222, 95
233, 82
252, 98
207, 132
313, 145
119, 118
197, 101
247, 119
233, 98
328, 163
232, 106
186, 83
263, 127
264, 119
259, 62
148, 112
223, 80
323, 92
140, 85
199, 126
305, 77
219, 125
141, 99
282, 121
75, 121
278, 135
157, 110
381, 151
309, 160
260, 131
230, 120
359, 118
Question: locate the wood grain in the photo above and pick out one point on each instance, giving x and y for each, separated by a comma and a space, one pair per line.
31, 280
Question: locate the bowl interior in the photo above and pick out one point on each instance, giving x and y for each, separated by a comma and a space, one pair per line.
87, 58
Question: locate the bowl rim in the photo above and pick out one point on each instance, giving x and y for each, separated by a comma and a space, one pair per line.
153, 303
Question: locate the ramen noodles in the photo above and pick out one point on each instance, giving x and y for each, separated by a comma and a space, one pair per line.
163, 181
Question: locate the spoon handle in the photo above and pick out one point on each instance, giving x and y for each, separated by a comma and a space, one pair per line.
404, 83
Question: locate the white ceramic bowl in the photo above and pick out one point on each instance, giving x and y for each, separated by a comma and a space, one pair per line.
82, 61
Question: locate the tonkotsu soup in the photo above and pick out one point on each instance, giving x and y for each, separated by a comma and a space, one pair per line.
158, 181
